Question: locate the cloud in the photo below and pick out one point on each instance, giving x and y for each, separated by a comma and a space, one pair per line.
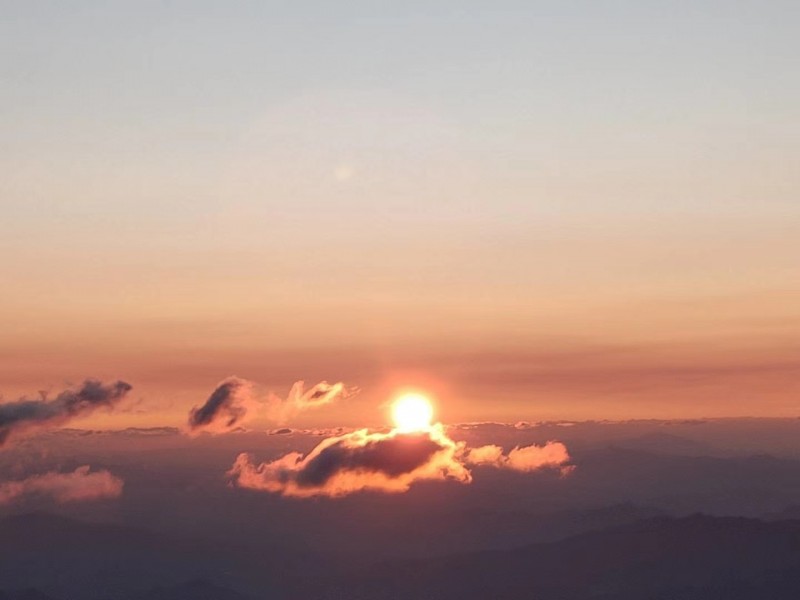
385, 462
77, 486
300, 399
357, 461
29, 415
234, 402
552, 455
228, 406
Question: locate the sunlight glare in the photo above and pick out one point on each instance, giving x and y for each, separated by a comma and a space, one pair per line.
412, 412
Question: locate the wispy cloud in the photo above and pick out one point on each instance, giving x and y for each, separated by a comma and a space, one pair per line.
234, 402
299, 399
26, 415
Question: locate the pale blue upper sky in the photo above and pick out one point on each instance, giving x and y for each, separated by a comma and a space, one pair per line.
518, 86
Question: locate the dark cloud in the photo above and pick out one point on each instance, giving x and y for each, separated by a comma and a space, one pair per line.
226, 408
281, 431
27, 415
392, 456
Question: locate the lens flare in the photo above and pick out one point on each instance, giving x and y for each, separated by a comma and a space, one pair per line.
412, 412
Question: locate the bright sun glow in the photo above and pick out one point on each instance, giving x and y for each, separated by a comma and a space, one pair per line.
412, 412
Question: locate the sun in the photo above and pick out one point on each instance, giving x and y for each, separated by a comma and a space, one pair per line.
412, 412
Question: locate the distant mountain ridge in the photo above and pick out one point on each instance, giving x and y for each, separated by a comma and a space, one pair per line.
692, 558
198, 589
67, 558
660, 558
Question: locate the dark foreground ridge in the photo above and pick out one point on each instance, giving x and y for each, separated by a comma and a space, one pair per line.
692, 558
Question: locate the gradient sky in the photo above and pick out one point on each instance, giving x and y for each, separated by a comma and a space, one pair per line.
537, 210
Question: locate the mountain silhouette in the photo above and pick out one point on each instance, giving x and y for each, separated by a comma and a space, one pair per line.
693, 558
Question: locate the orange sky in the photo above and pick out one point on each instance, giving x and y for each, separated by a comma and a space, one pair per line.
533, 224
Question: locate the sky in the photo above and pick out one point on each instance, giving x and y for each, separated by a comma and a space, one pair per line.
530, 210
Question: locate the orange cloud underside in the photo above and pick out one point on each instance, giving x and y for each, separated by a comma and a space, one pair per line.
385, 462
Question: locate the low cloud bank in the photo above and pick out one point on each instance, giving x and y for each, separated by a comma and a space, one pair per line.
552, 455
385, 462
26, 416
78, 486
